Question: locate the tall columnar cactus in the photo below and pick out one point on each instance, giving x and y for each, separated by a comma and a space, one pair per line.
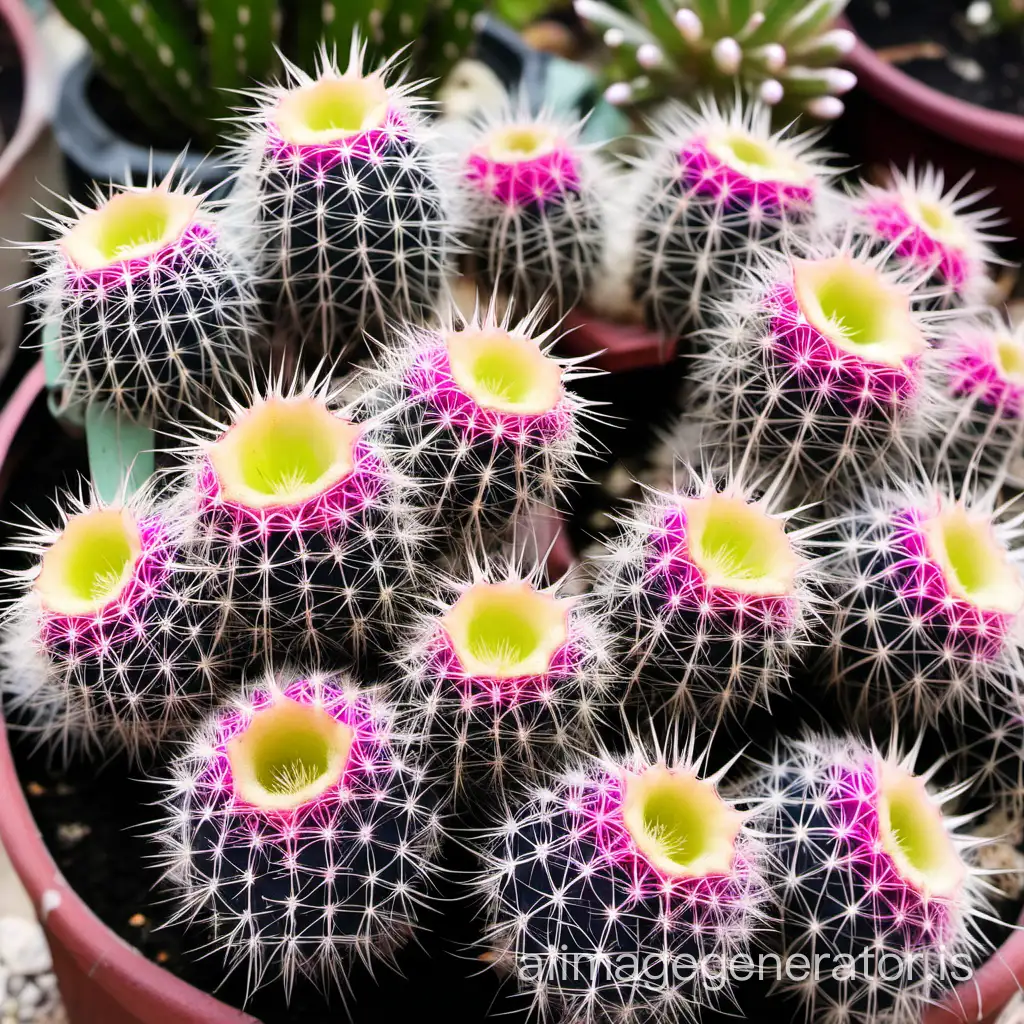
298, 523
152, 294
105, 649
298, 828
939, 234
784, 52
973, 420
175, 64
641, 860
355, 226
815, 365
873, 879
714, 188
510, 676
712, 590
480, 414
929, 610
534, 205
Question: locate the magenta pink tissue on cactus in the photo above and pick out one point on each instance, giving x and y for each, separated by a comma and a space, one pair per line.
821, 367
122, 618
923, 918
195, 237
976, 371
319, 158
332, 507
520, 183
683, 587
430, 381
921, 583
707, 173
890, 220
598, 806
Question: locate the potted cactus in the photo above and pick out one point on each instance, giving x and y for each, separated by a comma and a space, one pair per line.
299, 705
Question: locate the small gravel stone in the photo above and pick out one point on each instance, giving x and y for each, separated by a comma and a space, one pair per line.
23, 948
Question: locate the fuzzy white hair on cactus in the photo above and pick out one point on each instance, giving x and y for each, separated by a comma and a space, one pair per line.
105, 649
929, 613
713, 591
815, 363
510, 675
941, 233
297, 523
972, 422
713, 187
869, 870
298, 826
151, 290
644, 856
338, 171
480, 413
534, 205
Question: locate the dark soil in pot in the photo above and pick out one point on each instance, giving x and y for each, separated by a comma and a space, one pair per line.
934, 43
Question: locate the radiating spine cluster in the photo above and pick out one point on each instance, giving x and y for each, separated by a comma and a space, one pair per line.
873, 878
509, 676
105, 647
151, 292
642, 859
715, 188
355, 226
299, 827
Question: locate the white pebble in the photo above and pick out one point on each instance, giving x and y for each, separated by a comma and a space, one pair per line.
23, 948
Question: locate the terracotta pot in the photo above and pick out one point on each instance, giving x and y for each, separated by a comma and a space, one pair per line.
103, 980
893, 118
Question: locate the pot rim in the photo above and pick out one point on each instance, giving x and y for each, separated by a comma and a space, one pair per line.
992, 131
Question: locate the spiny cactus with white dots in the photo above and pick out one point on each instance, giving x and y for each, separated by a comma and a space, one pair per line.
991, 756
873, 878
815, 365
972, 423
929, 603
297, 522
151, 292
937, 232
298, 828
481, 415
533, 206
640, 860
715, 187
509, 675
355, 230
712, 591
105, 649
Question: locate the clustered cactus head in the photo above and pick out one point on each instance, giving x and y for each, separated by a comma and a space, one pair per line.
105, 648
711, 590
930, 607
508, 674
783, 52
715, 189
940, 234
480, 413
973, 422
152, 298
298, 523
816, 365
643, 857
534, 207
355, 225
299, 829
873, 878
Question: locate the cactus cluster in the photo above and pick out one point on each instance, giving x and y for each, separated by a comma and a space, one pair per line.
318, 629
